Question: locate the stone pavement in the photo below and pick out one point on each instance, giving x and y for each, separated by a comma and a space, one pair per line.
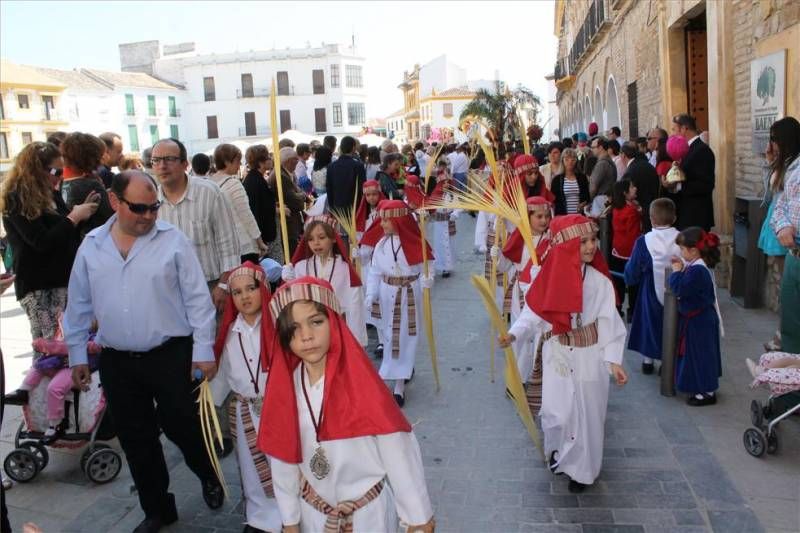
668, 467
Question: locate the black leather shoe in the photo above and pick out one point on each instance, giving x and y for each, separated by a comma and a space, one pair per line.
413, 370
446, 274
648, 368
379, 350
213, 493
708, 399
149, 525
552, 463
18, 397
250, 529
575, 487
400, 400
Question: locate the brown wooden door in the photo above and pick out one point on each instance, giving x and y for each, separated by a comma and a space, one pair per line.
319, 120
286, 120
697, 76
318, 79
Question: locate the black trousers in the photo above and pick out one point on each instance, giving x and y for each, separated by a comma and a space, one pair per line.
617, 264
147, 391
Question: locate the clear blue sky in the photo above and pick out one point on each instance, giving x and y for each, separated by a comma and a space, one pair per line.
515, 38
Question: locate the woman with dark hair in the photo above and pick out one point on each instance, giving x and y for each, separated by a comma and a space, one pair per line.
663, 160
373, 162
82, 154
784, 143
387, 176
43, 234
319, 174
261, 197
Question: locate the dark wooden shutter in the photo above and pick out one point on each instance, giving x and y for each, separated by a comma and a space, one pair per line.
286, 120
319, 120
633, 112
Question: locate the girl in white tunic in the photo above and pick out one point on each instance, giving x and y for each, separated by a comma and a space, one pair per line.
242, 349
515, 259
322, 254
443, 222
344, 458
366, 216
572, 303
396, 281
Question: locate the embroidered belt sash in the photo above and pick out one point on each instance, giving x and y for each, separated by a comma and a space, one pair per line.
402, 283
510, 292
533, 386
340, 516
251, 436
487, 264
581, 337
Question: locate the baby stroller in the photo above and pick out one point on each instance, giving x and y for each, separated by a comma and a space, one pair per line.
784, 401
85, 421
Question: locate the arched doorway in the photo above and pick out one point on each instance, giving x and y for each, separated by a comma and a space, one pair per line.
587, 116
612, 105
599, 112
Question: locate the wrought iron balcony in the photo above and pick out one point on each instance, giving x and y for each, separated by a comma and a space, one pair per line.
596, 23
259, 131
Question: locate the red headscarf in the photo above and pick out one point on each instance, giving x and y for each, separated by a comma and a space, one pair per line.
558, 289
515, 243
593, 128
414, 192
230, 313
441, 185
361, 214
522, 165
407, 230
303, 250
356, 402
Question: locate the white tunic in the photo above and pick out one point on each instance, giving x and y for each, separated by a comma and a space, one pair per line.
357, 464
337, 273
365, 255
575, 383
443, 243
384, 264
261, 512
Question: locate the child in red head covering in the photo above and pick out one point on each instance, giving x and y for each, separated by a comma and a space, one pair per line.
366, 216
322, 254
334, 434
395, 282
443, 221
516, 260
526, 169
572, 304
242, 350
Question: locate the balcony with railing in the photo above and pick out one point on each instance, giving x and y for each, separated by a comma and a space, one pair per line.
595, 25
257, 92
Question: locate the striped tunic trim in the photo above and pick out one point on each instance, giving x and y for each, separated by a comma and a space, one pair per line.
251, 436
402, 283
339, 517
294, 292
581, 337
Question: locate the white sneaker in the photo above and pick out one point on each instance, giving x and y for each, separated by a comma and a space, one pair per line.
754, 369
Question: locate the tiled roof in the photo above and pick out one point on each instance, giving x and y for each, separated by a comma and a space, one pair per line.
73, 79
127, 79
457, 91
13, 74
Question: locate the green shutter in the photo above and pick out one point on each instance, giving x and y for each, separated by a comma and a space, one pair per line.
173, 131
173, 110
133, 135
129, 109
153, 135
151, 105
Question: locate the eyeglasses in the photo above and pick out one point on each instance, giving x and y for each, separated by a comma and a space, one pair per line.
654, 138
141, 209
166, 159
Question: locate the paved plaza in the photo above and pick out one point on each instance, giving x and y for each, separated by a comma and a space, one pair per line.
667, 468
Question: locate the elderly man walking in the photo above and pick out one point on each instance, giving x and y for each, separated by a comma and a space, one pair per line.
141, 278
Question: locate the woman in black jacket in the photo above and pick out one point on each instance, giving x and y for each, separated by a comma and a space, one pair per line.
262, 198
42, 233
571, 188
82, 155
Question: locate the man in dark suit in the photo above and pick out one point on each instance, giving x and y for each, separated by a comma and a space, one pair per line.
642, 174
694, 196
345, 177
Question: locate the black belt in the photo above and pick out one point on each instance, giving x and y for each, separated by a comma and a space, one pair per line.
170, 343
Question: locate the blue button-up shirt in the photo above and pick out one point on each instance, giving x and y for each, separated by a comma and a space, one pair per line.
159, 291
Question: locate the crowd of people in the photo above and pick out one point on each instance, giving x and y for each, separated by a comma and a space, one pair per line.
179, 269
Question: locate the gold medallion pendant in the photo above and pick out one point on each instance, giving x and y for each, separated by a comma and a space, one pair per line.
319, 464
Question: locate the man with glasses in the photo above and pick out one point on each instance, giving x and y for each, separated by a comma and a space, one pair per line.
141, 278
197, 207
654, 137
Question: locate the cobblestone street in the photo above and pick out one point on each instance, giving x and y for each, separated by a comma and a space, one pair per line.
667, 467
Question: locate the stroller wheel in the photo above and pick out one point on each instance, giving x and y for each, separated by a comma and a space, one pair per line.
88, 451
772, 442
21, 465
755, 442
103, 465
39, 451
756, 414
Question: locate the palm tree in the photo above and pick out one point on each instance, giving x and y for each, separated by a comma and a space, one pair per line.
499, 109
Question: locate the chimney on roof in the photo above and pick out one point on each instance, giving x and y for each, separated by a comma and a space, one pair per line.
139, 56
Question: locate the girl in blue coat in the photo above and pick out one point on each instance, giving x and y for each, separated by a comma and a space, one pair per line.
699, 362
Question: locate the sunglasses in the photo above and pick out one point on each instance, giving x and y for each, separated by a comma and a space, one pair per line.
169, 159
141, 209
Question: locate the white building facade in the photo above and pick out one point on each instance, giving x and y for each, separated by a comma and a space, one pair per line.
396, 127
137, 107
320, 91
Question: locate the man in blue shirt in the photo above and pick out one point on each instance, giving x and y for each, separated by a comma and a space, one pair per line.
141, 279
